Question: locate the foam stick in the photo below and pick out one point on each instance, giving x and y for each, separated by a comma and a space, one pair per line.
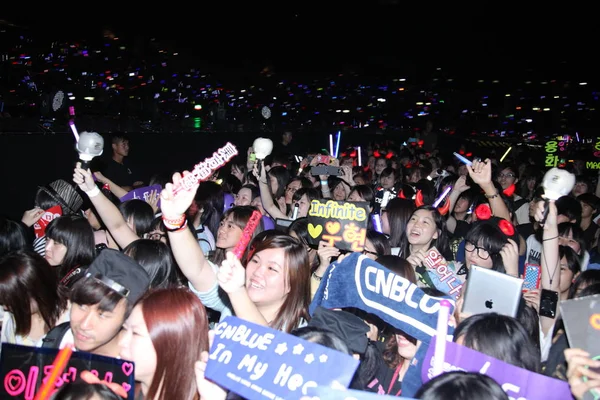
253, 222
440, 341
464, 160
442, 196
203, 170
505, 154
58, 366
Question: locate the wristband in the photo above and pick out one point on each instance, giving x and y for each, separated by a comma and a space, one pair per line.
492, 196
175, 228
173, 224
94, 192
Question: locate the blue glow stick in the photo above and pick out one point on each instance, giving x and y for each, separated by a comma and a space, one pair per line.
376, 218
464, 160
442, 196
337, 144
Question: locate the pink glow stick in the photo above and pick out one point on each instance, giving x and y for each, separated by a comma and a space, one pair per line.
253, 222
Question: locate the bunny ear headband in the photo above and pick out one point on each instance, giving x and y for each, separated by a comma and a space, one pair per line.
484, 212
443, 210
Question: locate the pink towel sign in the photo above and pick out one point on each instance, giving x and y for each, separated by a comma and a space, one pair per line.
518, 383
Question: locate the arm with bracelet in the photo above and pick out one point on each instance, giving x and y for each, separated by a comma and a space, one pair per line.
108, 212
481, 173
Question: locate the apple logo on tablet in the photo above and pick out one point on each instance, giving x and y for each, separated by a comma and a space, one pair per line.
489, 304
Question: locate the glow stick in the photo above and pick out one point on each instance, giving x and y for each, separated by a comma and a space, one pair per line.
464, 160
505, 154
330, 144
58, 366
577, 136
295, 213
442, 196
247, 234
74, 130
71, 111
440, 341
359, 157
203, 170
337, 144
376, 218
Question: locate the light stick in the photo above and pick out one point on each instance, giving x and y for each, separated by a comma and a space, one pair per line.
337, 144
58, 366
359, 157
330, 144
74, 130
464, 160
505, 154
440, 341
295, 213
442, 196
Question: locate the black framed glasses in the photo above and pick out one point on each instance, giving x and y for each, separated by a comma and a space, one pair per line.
481, 252
367, 252
507, 176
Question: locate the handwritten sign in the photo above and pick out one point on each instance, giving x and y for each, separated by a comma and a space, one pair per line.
359, 282
325, 393
206, 168
551, 157
341, 224
23, 369
442, 275
49, 215
142, 193
518, 383
260, 363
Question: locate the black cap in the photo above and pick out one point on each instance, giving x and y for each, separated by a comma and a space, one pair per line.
348, 327
120, 273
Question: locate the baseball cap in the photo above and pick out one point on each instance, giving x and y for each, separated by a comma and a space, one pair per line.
120, 273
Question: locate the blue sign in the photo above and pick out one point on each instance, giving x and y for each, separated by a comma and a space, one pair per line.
260, 363
324, 393
357, 281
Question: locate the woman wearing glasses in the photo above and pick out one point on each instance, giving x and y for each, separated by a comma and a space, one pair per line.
487, 245
508, 177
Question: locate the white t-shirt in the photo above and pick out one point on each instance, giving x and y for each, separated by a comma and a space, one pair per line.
8, 330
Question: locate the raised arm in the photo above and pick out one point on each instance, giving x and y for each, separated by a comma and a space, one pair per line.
113, 187
481, 173
266, 196
550, 259
108, 212
185, 247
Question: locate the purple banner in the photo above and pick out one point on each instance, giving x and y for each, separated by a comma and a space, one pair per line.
142, 193
518, 383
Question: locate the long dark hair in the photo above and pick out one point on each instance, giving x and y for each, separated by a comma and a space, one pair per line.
25, 276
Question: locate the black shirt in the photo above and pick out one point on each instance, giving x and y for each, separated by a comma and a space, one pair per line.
120, 174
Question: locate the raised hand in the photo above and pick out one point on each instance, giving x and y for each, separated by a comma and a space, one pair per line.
32, 216
510, 257
481, 171
174, 205
231, 275
83, 178
206, 389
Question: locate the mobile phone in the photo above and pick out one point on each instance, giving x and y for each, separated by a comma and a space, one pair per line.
532, 277
321, 159
548, 303
326, 170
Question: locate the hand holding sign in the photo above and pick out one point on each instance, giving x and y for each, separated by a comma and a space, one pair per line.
173, 205
231, 275
206, 389
341, 224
